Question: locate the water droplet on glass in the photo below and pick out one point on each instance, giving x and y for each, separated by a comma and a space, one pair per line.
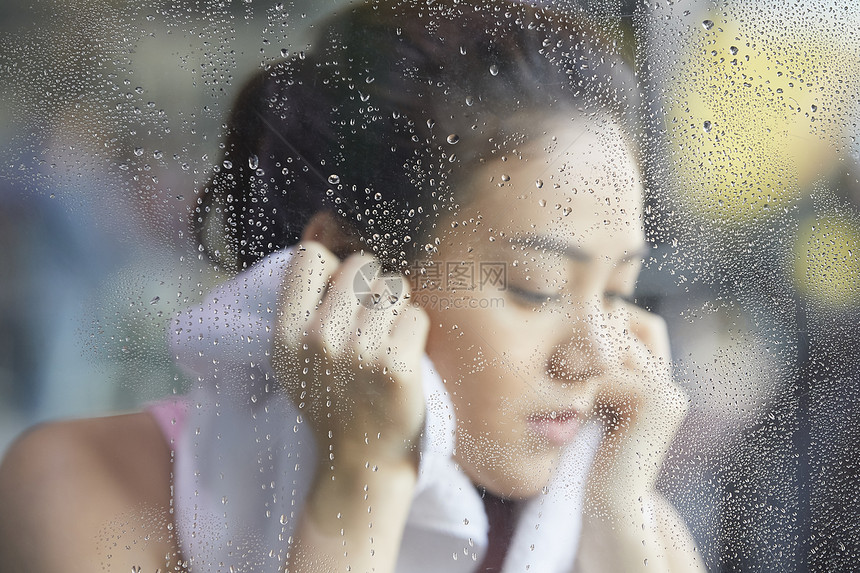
155, 300
453, 138
253, 161
734, 50
707, 126
470, 100
539, 183
138, 151
506, 177
284, 52
430, 123
708, 24
377, 196
494, 70
333, 179
542, 202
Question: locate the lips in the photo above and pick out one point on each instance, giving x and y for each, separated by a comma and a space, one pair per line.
558, 427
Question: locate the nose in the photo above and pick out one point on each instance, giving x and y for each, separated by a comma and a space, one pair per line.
584, 347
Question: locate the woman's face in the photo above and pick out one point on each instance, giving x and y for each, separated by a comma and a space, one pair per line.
521, 294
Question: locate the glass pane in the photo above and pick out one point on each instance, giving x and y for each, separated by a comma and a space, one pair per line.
606, 291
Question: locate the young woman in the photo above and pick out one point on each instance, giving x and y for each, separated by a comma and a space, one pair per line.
430, 362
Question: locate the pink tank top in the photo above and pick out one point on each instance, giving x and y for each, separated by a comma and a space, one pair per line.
170, 415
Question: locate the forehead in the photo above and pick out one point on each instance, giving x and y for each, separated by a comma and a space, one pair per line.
576, 181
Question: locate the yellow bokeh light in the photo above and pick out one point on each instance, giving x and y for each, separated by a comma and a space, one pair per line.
825, 260
754, 119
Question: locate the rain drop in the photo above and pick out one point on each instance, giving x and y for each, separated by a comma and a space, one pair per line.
453, 138
708, 24
707, 126
333, 179
253, 161
539, 183
494, 70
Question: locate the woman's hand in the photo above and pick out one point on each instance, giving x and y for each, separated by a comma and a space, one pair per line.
641, 407
350, 359
630, 526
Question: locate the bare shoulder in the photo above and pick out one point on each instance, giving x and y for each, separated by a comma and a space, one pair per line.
87, 495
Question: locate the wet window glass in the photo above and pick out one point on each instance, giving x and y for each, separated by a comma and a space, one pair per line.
429, 285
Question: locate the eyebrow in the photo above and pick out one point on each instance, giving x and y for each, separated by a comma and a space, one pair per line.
554, 245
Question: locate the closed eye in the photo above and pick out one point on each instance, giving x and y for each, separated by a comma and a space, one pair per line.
532, 296
620, 299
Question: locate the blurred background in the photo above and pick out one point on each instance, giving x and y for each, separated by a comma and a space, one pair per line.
111, 117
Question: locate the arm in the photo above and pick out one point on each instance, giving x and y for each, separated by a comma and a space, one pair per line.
649, 536
88, 495
353, 520
353, 369
631, 526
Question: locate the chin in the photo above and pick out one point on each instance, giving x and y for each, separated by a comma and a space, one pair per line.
518, 477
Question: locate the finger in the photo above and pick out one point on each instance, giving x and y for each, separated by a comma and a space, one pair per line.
641, 386
651, 329
308, 274
337, 320
407, 339
380, 311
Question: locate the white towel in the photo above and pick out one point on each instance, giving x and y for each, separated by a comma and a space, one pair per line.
244, 463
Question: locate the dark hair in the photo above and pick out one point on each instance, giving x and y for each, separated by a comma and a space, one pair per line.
376, 124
